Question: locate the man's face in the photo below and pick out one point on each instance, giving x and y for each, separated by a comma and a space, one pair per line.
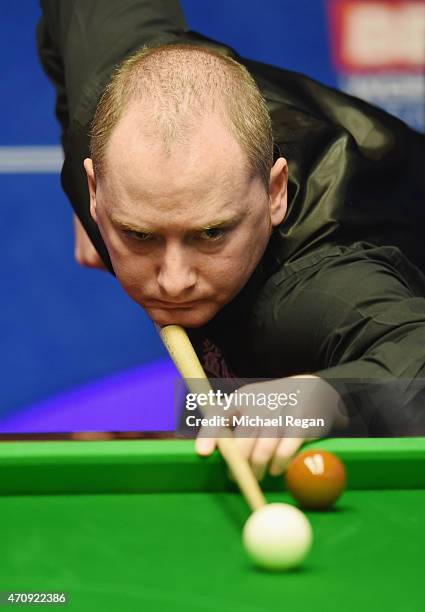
185, 229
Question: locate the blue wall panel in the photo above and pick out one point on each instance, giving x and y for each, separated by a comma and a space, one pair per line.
61, 325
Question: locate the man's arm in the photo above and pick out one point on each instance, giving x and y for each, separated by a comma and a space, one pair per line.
354, 319
80, 42
92, 36
353, 314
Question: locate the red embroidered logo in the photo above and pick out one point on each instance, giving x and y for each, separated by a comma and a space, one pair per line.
214, 362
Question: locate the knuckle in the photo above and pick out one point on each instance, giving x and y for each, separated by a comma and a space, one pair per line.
282, 457
79, 258
284, 453
263, 452
277, 468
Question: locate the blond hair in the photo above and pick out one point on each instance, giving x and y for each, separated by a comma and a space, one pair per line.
182, 83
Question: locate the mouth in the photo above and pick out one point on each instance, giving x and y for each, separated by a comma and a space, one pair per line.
172, 305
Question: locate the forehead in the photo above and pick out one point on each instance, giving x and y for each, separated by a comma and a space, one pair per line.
202, 169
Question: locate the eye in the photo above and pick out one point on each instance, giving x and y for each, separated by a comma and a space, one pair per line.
139, 236
212, 233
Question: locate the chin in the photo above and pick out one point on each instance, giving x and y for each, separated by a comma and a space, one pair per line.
190, 317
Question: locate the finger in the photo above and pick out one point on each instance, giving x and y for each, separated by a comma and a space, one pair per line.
245, 445
96, 261
285, 450
206, 440
84, 251
92, 435
204, 446
262, 454
89, 258
93, 259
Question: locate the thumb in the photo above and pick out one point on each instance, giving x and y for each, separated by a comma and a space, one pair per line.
205, 445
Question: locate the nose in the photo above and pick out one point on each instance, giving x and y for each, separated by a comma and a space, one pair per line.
176, 275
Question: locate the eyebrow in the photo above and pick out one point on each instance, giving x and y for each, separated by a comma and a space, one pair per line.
217, 224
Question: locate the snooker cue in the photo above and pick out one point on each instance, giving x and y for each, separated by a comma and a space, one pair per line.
186, 360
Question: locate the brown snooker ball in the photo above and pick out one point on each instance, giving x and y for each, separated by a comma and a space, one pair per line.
316, 479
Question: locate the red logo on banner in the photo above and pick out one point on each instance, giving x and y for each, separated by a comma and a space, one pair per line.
375, 35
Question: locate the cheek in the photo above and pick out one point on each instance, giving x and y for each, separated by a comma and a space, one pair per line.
244, 252
228, 272
134, 273
127, 264
242, 257
133, 268
136, 284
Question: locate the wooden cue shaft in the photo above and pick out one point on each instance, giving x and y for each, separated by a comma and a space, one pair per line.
186, 360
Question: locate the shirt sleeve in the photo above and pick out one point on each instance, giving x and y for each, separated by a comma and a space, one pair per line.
93, 36
355, 316
80, 43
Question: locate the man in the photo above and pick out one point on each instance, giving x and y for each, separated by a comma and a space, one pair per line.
190, 204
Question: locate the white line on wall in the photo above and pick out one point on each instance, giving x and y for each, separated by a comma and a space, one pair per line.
31, 160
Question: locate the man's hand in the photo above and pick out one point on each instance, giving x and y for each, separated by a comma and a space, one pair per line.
272, 454
318, 399
85, 253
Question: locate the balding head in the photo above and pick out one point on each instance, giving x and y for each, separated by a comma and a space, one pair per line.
175, 87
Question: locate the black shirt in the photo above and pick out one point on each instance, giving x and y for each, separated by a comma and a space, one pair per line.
340, 291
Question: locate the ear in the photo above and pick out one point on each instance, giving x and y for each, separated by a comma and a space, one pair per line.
278, 191
91, 181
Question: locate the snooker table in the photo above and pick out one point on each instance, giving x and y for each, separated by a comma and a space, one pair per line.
148, 525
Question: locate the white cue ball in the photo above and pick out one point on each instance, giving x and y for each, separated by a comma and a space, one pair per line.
277, 536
